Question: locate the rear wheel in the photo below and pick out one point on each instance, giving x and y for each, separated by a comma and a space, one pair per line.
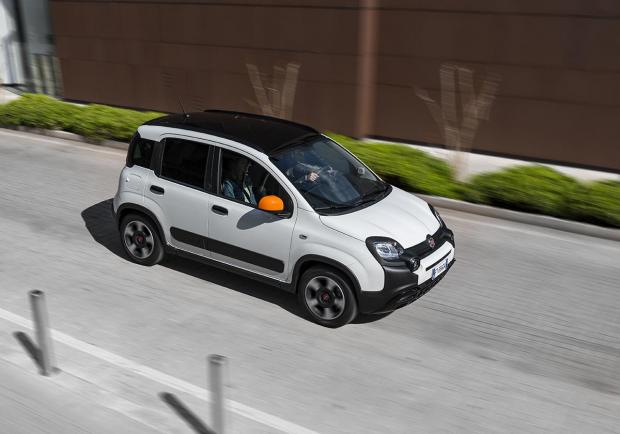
140, 240
327, 297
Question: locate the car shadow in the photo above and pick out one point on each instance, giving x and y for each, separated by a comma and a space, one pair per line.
100, 223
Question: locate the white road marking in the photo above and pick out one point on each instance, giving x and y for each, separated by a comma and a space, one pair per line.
62, 142
162, 378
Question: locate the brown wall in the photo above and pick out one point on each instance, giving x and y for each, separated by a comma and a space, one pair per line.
149, 54
559, 63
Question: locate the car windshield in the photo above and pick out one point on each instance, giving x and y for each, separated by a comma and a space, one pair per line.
329, 177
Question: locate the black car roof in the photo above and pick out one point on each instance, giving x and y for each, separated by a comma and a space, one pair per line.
263, 133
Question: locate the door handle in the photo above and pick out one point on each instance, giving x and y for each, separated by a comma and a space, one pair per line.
157, 189
219, 210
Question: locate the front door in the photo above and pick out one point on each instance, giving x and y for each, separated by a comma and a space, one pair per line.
239, 233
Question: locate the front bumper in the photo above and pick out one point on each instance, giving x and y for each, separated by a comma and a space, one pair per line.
401, 286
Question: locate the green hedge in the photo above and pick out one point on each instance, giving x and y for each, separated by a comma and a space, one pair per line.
93, 120
536, 189
542, 190
598, 203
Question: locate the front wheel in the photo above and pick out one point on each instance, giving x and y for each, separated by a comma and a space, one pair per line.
140, 240
326, 297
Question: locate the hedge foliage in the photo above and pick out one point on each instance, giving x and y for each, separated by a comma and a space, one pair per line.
93, 120
542, 190
598, 203
537, 189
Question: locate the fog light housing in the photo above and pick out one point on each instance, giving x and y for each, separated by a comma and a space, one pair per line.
413, 264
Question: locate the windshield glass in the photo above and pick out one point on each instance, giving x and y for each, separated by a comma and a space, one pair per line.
328, 176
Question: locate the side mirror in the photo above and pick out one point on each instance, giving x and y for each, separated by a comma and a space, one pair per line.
272, 204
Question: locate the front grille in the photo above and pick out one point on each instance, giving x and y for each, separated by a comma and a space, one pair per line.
422, 250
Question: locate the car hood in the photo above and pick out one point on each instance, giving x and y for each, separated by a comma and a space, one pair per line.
400, 216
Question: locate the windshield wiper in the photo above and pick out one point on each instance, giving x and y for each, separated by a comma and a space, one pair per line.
335, 207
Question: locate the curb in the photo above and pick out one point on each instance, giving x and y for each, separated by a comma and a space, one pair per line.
65, 135
440, 202
523, 217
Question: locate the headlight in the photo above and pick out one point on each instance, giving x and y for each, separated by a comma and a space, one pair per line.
385, 249
437, 216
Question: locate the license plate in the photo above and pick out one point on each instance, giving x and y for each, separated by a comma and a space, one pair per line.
439, 268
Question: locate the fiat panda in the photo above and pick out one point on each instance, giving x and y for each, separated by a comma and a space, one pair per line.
284, 204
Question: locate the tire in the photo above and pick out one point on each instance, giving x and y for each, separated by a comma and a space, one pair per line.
326, 297
140, 240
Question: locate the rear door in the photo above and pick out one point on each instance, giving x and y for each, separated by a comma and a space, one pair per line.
179, 188
239, 233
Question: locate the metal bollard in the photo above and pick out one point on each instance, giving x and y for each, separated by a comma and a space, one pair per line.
217, 367
42, 329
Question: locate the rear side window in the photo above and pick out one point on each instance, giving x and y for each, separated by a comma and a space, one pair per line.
140, 152
185, 162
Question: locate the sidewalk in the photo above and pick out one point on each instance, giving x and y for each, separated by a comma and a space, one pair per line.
102, 392
30, 403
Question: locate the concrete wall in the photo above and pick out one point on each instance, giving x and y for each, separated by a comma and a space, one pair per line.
559, 96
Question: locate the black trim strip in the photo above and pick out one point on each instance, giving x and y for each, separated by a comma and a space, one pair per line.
188, 238
245, 255
226, 249
435, 263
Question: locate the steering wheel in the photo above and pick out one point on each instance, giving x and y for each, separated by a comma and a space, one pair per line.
323, 171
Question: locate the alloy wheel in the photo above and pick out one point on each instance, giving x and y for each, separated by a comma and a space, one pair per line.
324, 297
138, 239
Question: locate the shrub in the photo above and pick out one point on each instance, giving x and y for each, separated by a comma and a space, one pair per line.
536, 189
405, 167
38, 111
103, 122
94, 121
597, 202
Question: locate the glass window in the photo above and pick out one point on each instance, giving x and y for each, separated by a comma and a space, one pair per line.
185, 162
141, 152
329, 177
244, 180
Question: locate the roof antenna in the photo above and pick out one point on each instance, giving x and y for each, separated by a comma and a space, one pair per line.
182, 109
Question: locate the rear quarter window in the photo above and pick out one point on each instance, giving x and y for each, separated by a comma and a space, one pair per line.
140, 152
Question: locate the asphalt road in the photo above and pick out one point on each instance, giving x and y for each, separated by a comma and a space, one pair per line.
523, 335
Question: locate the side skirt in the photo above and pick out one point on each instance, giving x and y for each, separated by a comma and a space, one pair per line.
211, 262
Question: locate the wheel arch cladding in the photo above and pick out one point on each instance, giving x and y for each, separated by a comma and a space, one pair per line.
308, 261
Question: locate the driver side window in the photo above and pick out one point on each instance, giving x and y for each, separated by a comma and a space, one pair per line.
245, 180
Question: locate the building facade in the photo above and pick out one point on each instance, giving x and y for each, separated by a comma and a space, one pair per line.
363, 67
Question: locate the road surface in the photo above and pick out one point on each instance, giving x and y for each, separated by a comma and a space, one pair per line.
523, 335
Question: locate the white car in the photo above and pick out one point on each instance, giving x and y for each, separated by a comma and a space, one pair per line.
284, 204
